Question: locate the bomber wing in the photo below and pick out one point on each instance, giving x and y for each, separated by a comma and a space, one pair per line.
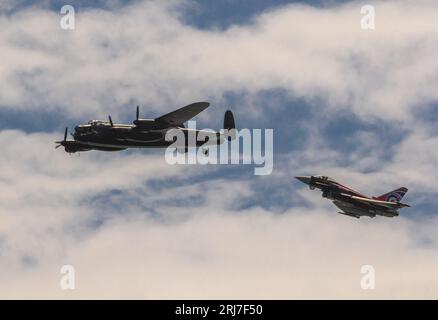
183, 114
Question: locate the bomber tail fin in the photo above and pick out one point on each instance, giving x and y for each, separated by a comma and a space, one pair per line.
229, 125
393, 196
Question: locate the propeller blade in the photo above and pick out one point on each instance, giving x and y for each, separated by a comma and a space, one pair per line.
57, 146
65, 133
138, 112
111, 121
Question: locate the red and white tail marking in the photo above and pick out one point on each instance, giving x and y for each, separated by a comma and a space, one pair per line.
393, 196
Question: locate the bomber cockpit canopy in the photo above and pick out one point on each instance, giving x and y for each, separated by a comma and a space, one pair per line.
96, 123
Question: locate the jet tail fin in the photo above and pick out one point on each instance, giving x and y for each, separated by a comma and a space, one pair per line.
393, 196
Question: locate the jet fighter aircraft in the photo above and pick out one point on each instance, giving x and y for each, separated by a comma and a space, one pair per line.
354, 204
143, 133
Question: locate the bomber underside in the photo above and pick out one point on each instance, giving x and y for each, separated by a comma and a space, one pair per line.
148, 140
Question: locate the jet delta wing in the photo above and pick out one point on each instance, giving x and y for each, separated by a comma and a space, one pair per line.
386, 204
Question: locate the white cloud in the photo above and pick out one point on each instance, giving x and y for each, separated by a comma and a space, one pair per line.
203, 249
301, 254
144, 52
185, 239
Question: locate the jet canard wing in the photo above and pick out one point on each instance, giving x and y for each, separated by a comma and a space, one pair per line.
183, 114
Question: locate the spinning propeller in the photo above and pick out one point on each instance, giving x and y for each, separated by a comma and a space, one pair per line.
63, 142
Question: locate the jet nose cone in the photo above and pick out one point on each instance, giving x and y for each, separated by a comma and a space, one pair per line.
304, 179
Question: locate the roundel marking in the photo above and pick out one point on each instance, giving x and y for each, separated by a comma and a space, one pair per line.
393, 197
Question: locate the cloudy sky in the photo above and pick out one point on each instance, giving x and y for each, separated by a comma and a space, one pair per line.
356, 105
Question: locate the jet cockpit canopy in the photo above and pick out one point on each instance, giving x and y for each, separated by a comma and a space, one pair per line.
325, 178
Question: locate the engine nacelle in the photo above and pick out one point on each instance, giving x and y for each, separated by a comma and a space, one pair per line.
145, 123
73, 146
151, 124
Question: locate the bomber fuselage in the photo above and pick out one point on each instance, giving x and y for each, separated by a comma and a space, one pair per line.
99, 134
